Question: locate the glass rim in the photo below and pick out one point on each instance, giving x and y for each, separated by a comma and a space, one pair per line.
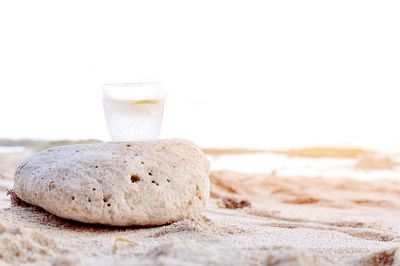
137, 90
131, 84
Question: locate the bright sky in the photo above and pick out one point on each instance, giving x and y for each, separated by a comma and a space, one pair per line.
238, 73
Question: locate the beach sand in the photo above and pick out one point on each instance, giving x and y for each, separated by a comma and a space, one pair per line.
304, 220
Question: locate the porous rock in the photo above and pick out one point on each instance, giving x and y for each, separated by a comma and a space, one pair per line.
118, 183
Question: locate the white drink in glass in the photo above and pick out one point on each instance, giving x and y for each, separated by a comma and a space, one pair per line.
133, 111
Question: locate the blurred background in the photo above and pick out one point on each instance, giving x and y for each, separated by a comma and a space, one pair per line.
255, 74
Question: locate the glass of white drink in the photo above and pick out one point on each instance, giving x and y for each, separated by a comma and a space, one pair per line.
133, 111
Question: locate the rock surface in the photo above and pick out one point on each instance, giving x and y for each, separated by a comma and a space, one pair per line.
118, 183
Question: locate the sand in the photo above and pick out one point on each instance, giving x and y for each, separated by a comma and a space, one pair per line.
291, 221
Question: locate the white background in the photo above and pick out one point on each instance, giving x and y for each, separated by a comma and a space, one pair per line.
238, 73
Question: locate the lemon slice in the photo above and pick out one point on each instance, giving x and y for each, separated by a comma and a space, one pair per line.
123, 239
145, 102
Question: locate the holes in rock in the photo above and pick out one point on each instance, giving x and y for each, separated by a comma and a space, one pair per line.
128, 145
198, 193
142, 162
135, 178
96, 166
124, 161
51, 185
154, 182
73, 197
106, 198
168, 180
150, 173
173, 166
94, 189
89, 200
108, 204
136, 154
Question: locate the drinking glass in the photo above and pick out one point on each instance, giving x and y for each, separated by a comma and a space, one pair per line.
133, 111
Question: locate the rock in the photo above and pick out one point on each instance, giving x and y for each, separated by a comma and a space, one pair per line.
118, 183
